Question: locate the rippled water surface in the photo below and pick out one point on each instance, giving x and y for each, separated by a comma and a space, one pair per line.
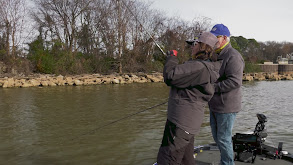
70, 125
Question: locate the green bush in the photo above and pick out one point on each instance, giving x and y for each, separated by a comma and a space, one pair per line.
156, 66
45, 63
251, 68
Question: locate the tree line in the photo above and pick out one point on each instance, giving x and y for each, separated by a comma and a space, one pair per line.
103, 36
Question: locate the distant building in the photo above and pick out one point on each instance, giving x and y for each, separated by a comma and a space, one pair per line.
268, 63
290, 58
281, 60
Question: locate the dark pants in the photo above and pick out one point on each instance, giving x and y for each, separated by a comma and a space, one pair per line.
177, 146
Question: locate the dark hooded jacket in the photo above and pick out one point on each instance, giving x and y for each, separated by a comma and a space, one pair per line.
191, 88
227, 98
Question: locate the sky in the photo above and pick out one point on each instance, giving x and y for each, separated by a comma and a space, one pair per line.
263, 20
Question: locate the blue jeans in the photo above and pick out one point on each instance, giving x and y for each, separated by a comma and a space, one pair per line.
221, 125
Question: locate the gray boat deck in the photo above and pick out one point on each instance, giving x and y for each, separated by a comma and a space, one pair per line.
211, 157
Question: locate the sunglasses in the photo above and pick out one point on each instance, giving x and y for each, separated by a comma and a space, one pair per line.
194, 43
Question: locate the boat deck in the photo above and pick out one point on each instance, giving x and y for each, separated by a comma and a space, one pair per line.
213, 158
210, 155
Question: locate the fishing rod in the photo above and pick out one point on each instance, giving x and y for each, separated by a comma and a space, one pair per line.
127, 7
123, 118
128, 116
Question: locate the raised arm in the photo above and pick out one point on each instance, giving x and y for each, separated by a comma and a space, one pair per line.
184, 75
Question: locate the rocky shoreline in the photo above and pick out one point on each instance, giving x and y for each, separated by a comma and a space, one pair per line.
79, 80
39, 80
266, 77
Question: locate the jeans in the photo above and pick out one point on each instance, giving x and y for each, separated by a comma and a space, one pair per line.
221, 125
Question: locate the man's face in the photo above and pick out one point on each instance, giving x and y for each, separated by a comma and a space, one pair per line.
221, 41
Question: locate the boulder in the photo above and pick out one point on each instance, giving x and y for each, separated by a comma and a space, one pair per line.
140, 80
68, 81
52, 83
34, 82
153, 78
8, 83
106, 80
18, 83
115, 81
247, 78
77, 83
276, 77
259, 77
27, 84
44, 83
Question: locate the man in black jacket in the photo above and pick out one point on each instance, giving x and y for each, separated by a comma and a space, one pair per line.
191, 88
226, 101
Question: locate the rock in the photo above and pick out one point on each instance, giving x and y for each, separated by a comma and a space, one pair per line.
5, 84
89, 81
18, 83
123, 81
44, 83
133, 76
288, 77
247, 78
275, 77
285, 77
115, 81
34, 82
98, 81
68, 81
26, 84
1, 83
140, 80
8, 83
106, 80
51, 83
269, 76
77, 82
155, 78
126, 76
59, 78
259, 77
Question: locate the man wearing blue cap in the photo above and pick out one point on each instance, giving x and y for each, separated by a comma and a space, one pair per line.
226, 101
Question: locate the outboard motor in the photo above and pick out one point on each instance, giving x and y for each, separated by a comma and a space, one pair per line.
247, 146
260, 129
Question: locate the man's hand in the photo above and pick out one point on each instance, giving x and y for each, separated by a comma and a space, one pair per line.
172, 53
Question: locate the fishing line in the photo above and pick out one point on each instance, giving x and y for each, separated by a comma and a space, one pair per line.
123, 118
127, 7
126, 117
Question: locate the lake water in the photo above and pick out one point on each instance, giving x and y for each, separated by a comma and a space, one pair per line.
66, 125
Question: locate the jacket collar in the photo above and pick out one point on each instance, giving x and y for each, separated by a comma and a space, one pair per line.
226, 48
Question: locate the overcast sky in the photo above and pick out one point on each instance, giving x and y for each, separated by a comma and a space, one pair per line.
263, 20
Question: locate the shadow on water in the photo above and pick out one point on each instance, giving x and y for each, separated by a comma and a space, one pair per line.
58, 125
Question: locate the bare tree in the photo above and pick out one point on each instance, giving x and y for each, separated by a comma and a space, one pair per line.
12, 14
200, 23
61, 20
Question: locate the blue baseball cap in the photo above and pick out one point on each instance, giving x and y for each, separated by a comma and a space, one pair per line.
220, 30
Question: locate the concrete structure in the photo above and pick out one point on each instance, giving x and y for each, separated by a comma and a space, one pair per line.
277, 68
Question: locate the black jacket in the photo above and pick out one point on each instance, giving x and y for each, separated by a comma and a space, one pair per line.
191, 88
